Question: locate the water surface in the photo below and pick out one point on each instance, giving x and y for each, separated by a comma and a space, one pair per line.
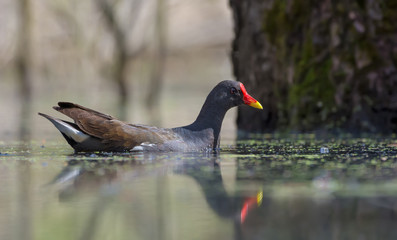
255, 189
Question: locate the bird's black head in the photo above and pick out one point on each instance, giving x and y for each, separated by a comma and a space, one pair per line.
225, 95
228, 94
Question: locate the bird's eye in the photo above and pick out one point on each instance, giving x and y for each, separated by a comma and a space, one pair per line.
233, 90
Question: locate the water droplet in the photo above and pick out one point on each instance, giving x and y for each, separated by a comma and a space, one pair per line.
324, 150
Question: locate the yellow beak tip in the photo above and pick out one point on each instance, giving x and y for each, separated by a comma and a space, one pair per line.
256, 105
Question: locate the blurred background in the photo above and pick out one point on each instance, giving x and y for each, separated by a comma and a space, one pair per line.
322, 67
151, 62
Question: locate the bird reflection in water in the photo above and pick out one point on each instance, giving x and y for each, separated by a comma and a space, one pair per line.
82, 177
250, 204
104, 179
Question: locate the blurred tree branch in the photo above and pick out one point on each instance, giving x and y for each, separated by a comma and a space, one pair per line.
157, 76
121, 51
23, 67
123, 54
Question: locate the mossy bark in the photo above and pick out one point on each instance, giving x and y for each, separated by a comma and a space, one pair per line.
317, 65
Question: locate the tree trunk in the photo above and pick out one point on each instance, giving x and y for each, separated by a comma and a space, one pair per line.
317, 65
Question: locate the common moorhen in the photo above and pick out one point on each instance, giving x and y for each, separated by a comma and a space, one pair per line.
94, 131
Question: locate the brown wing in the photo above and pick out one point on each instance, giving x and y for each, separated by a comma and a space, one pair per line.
111, 131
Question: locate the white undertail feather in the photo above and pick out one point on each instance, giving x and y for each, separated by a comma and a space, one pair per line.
70, 131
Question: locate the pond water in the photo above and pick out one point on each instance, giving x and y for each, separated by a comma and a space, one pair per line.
255, 189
